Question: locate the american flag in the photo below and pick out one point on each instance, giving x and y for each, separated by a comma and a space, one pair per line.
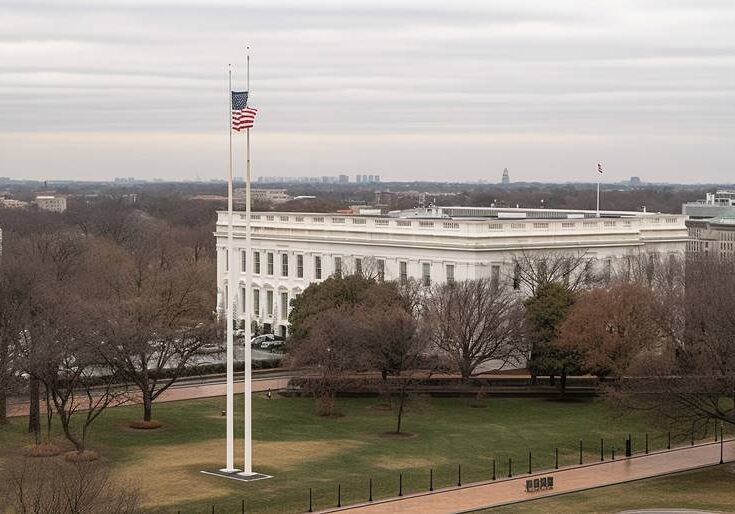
599, 168
243, 116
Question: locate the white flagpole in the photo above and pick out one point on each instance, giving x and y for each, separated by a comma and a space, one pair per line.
248, 414
230, 410
599, 172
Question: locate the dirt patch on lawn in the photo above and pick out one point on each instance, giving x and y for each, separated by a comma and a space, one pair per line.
392, 463
174, 471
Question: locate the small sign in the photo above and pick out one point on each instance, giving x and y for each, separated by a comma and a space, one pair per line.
539, 484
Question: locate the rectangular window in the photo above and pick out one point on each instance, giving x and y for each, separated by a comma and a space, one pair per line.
358, 266
227, 260
284, 264
243, 261
300, 266
269, 302
256, 263
338, 266
517, 277
284, 306
256, 302
270, 263
243, 296
381, 270
426, 274
317, 267
495, 274
403, 272
450, 273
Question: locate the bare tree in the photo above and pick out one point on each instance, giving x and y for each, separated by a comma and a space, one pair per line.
14, 313
51, 263
331, 349
155, 312
388, 325
66, 488
473, 321
533, 269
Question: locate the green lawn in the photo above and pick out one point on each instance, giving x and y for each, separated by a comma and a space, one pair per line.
302, 450
710, 489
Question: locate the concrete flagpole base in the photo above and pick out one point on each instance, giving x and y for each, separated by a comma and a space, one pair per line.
237, 475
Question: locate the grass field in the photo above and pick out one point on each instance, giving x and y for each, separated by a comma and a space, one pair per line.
302, 450
710, 489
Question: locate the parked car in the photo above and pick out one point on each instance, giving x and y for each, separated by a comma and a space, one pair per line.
273, 344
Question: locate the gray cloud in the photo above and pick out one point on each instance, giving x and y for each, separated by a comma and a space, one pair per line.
532, 84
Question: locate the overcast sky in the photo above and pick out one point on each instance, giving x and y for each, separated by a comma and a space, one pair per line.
438, 90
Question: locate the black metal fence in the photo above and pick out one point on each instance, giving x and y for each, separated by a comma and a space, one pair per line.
497, 466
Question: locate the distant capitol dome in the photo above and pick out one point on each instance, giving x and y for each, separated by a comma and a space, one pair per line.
506, 177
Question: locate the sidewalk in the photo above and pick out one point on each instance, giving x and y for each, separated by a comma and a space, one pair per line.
566, 480
182, 392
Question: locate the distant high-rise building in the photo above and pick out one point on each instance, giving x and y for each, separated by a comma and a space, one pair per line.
358, 178
344, 179
371, 178
635, 181
377, 178
506, 177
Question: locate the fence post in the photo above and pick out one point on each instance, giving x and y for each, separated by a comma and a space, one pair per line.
580, 452
629, 446
493, 469
400, 484
431, 480
646, 443
613, 453
556, 458
370, 495
459, 475
668, 446
242, 507
602, 449
310, 507
715, 432
529, 462
339, 495
692, 437
212, 509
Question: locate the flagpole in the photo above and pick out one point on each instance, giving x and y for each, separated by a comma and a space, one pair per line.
599, 172
229, 302
248, 414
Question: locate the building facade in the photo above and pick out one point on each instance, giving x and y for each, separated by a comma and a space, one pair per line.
714, 237
51, 203
291, 250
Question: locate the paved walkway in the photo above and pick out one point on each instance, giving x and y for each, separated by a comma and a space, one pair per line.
513, 490
184, 391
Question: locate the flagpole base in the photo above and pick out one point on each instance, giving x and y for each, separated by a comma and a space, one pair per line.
236, 474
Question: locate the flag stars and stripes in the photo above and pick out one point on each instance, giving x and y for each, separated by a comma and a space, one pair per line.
243, 117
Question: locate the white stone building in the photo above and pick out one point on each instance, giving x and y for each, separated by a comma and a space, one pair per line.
51, 203
291, 250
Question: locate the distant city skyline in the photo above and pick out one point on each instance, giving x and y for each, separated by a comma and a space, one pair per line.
410, 91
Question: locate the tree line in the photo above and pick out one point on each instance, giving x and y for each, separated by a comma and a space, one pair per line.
656, 329
106, 302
